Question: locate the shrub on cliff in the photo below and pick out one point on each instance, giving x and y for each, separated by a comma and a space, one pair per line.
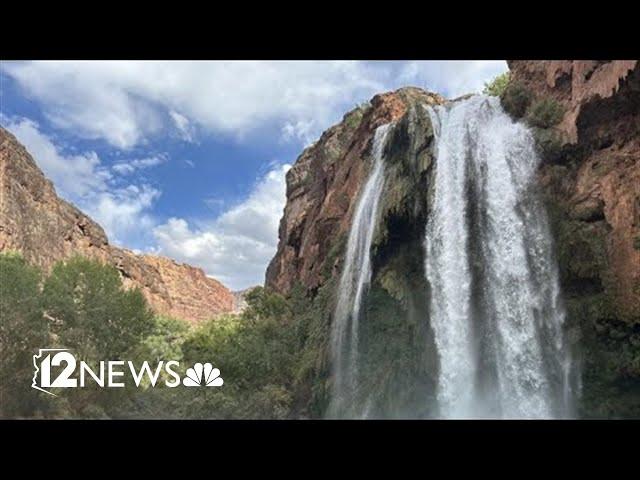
496, 86
515, 99
545, 113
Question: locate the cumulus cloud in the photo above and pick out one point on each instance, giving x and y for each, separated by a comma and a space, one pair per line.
451, 78
73, 175
123, 211
239, 244
302, 130
124, 102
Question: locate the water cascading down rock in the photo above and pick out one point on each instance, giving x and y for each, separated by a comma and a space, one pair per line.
355, 278
497, 346
495, 304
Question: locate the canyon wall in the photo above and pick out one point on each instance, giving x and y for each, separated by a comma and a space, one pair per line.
45, 229
592, 186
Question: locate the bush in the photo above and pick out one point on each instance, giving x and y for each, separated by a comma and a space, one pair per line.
545, 113
515, 99
256, 353
497, 85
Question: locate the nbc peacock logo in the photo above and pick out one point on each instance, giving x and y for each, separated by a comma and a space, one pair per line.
202, 375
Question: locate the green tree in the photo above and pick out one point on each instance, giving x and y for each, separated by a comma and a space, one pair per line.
256, 353
496, 86
92, 313
23, 331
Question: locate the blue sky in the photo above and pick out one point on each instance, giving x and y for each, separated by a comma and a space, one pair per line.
187, 159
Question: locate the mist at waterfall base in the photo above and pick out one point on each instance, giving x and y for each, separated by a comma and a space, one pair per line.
494, 303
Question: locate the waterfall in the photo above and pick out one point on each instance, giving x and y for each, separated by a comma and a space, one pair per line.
495, 303
355, 278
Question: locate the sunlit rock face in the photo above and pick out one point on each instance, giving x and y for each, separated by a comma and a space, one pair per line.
45, 229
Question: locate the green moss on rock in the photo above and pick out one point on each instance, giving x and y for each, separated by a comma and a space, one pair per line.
607, 348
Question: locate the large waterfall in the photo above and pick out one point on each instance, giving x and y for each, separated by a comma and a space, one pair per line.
497, 347
495, 304
356, 275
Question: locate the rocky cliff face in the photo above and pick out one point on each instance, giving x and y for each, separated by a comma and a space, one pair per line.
322, 188
596, 179
592, 185
45, 229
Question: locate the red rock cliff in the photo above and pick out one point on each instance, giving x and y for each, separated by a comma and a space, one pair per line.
596, 181
322, 188
45, 229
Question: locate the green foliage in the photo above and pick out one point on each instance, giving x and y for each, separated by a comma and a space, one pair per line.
91, 312
545, 113
262, 303
354, 117
22, 331
496, 86
82, 306
256, 351
515, 99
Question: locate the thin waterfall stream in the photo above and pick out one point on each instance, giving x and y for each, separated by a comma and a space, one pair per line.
356, 275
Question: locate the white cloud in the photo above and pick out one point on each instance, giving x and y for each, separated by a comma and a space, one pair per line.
183, 125
123, 211
73, 175
451, 78
124, 102
302, 130
128, 167
239, 244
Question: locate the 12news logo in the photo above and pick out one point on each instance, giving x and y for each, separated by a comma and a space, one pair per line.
58, 368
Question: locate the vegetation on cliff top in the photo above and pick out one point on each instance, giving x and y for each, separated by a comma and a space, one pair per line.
496, 86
